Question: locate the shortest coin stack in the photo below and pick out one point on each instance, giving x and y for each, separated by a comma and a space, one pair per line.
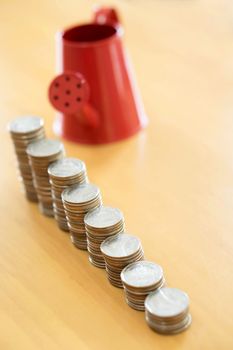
167, 310
118, 252
101, 223
77, 201
41, 154
63, 173
24, 130
139, 279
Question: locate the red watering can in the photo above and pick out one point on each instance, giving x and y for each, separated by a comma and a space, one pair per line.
95, 93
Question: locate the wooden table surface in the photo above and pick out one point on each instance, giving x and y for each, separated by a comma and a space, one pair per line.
173, 181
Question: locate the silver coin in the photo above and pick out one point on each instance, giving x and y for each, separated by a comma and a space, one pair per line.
167, 302
170, 329
142, 274
25, 124
120, 246
44, 148
103, 217
80, 193
66, 167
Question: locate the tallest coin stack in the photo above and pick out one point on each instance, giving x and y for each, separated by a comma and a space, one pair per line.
24, 130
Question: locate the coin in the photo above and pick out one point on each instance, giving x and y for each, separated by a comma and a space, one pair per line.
44, 149
78, 200
139, 279
41, 154
62, 174
66, 168
119, 251
104, 217
120, 246
167, 310
24, 130
80, 194
101, 223
25, 125
142, 274
170, 329
167, 302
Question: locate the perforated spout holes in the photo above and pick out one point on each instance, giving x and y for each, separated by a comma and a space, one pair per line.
68, 92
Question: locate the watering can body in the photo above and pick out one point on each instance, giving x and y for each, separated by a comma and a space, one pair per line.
95, 93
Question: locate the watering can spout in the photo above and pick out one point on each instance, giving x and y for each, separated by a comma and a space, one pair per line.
69, 94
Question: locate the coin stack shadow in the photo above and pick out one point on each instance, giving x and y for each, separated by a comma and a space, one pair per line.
78, 200
63, 173
41, 154
139, 279
102, 223
118, 252
167, 310
24, 130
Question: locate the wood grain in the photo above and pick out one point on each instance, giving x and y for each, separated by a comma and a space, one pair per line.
173, 181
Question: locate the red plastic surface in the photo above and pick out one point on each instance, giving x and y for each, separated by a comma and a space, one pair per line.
114, 110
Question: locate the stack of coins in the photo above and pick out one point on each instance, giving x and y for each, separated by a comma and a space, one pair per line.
63, 173
118, 252
24, 130
167, 310
139, 279
78, 200
102, 223
41, 154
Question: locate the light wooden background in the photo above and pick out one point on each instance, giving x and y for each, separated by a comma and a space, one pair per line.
174, 182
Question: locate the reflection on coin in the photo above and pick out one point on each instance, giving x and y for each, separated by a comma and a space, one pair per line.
167, 302
142, 274
120, 245
80, 194
103, 217
167, 310
66, 167
45, 148
26, 124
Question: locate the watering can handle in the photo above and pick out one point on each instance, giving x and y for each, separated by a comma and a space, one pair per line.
106, 15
